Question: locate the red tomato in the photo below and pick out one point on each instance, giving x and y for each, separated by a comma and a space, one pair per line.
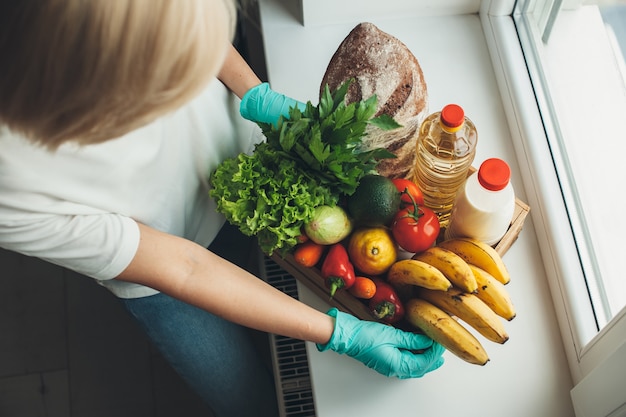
415, 229
407, 186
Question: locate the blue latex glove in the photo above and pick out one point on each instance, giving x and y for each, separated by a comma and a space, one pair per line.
383, 348
262, 104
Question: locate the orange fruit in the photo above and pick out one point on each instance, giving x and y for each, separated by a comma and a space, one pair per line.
372, 250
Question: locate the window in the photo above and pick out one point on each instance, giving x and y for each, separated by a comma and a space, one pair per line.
582, 100
564, 76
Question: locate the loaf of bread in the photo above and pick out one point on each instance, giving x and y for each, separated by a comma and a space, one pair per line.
384, 66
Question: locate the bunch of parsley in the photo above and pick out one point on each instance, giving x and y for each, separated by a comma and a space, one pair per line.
326, 140
313, 158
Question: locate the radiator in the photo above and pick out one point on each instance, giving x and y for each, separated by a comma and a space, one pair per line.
294, 391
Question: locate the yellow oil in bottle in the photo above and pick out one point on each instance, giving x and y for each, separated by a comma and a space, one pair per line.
446, 147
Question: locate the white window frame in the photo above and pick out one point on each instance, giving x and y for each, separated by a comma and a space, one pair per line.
597, 359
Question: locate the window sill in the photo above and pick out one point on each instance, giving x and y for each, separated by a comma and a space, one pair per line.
585, 347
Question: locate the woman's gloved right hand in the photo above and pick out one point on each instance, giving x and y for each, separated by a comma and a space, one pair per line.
383, 348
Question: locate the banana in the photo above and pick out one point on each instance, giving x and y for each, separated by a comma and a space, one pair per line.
493, 293
480, 254
421, 274
443, 329
452, 266
471, 310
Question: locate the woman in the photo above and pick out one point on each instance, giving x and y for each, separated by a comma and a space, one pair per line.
112, 115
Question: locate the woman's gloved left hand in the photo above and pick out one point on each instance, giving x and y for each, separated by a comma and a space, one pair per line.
262, 104
383, 348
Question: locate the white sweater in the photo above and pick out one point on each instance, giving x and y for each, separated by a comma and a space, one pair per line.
78, 207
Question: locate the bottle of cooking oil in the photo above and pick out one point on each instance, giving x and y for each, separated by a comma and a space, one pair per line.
446, 146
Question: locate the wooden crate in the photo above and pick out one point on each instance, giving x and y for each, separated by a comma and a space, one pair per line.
344, 301
519, 216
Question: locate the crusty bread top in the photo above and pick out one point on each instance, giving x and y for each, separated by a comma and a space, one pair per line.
382, 65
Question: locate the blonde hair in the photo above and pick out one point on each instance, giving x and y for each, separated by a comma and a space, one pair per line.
93, 70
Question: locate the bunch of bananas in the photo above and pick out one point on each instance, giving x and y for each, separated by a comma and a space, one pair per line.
459, 278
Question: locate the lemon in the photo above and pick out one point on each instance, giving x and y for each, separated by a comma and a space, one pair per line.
375, 201
372, 250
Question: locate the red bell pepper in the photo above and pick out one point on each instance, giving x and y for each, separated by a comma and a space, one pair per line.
337, 270
385, 304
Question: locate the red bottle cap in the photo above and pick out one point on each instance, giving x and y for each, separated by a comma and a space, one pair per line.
494, 174
452, 115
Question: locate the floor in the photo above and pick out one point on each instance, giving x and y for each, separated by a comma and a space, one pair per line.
69, 349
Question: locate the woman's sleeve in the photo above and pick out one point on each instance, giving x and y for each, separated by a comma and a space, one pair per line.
100, 246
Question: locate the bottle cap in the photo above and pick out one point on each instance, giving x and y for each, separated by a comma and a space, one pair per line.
452, 116
494, 174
